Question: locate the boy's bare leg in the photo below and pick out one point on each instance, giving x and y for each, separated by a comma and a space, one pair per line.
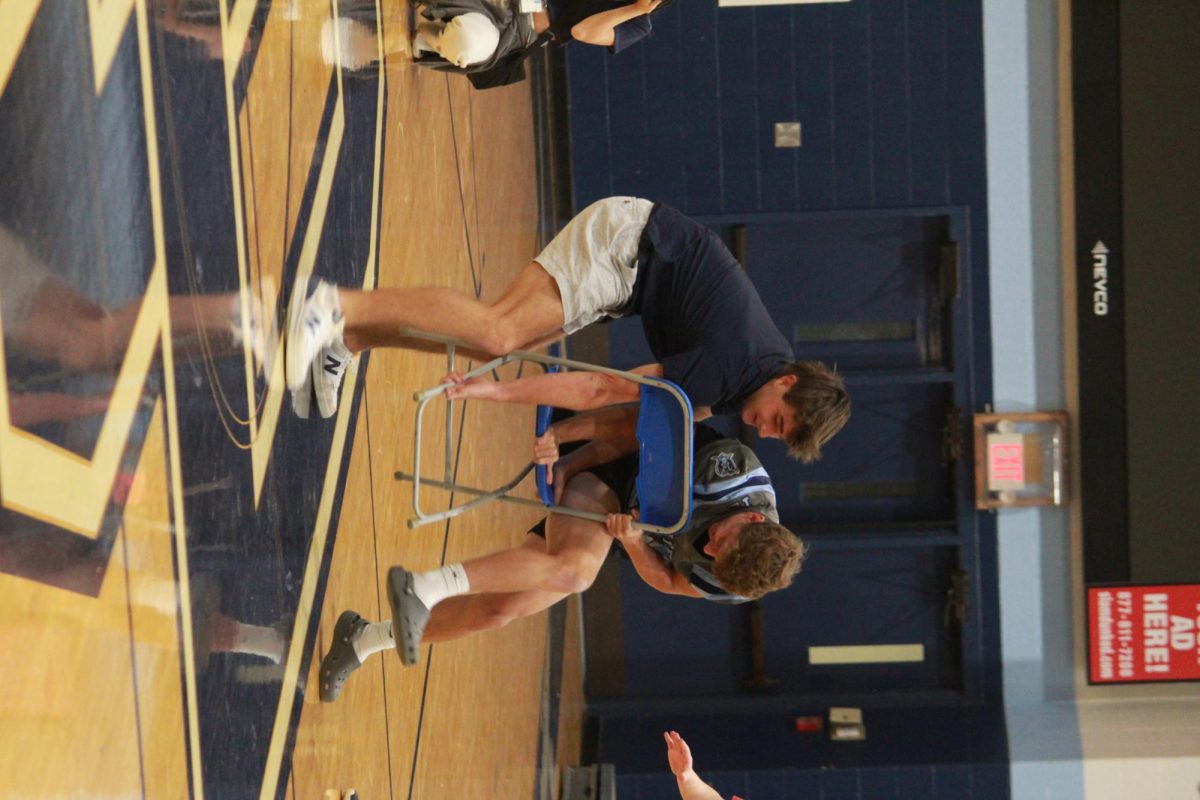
524, 580
566, 561
529, 311
503, 586
574, 548
578, 391
461, 616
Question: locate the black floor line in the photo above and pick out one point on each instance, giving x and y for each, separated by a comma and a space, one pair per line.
378, 599
137, 705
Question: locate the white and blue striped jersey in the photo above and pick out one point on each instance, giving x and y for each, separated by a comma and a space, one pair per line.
728, 479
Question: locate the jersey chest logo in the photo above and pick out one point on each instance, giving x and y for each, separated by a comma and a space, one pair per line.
725, 466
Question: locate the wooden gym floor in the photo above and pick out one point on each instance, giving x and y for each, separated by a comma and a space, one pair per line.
168, 169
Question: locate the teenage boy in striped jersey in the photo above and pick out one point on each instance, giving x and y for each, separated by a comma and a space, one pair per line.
733, 549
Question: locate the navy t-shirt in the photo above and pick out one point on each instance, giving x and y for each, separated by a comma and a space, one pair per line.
566, 14
702, 316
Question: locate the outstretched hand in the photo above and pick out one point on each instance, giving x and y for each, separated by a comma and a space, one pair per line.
691, 787
646, 6
679, 755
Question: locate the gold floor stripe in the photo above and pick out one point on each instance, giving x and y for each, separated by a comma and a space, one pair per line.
249, 287
181, 560
325, 508
236, 31
261, 450
312, 571
106, 20
867, 654
369, 277
168, 368
16, 16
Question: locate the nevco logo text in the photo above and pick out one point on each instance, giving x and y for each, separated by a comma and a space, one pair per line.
1100, 280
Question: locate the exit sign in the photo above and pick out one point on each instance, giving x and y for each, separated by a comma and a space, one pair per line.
1020, 459
1005, 461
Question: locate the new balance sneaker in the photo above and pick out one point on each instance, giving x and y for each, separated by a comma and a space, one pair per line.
314, 322
327, 370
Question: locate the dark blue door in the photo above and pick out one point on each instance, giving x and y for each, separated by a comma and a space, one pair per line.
863, 292
873, 295
877, 295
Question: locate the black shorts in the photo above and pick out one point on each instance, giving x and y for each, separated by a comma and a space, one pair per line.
620, 476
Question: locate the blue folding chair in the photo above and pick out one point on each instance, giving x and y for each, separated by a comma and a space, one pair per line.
664, 433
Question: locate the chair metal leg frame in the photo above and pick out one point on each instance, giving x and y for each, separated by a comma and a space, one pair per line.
501, 493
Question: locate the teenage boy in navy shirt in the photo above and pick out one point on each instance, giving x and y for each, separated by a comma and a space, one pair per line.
702, 317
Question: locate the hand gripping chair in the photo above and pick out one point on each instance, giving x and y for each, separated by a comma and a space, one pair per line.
664, 433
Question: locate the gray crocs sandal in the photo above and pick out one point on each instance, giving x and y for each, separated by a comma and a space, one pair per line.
409, 615
341, 660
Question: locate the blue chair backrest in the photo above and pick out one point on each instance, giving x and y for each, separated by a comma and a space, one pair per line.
665, 442
545, 490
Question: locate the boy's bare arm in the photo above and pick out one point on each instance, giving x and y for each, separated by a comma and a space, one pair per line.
577, 391
615, 426
649, 565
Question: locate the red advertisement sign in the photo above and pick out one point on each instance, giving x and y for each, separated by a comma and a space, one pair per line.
1143, 633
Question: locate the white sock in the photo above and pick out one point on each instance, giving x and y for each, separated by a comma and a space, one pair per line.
339, 327
436, 585
258, 640
375, 637
426, 37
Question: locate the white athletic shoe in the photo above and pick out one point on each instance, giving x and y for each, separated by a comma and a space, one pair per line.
314, 322
302, 398
327, 370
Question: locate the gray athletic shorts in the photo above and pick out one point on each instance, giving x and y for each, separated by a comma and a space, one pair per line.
594, 259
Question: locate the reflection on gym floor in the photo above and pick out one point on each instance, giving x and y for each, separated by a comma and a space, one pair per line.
170, 169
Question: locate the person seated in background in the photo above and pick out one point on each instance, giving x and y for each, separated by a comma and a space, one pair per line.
490, 41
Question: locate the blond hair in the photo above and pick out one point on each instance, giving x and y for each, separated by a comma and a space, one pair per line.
767, 557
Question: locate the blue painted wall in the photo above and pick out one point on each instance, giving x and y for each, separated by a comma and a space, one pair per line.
946, 782
759, 757
890, 96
